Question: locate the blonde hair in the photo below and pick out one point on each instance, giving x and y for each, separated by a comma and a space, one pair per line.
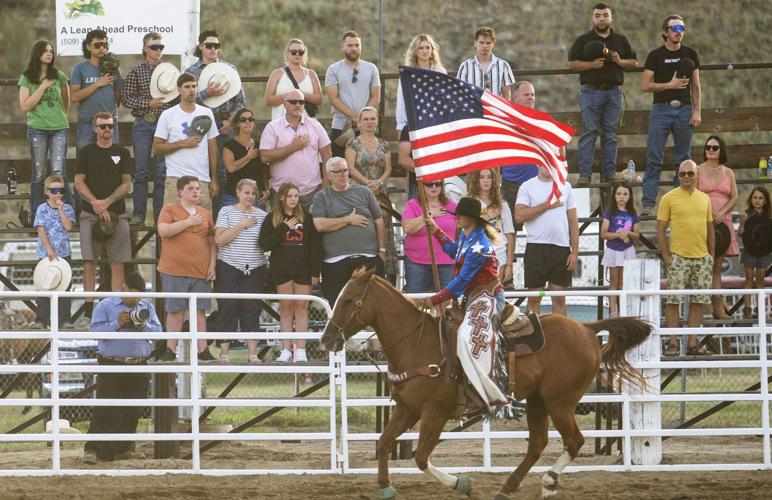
473, 186
287, 49
411, 54
278, 210
244, 181
368, 108
53, 178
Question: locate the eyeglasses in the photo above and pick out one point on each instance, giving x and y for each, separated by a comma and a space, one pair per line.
710, 147
433, 184
100, 45
156, 47
339, 172
56, 190
354, 76
690, 173
246, 119
105, 126
678, 28
295, 102
297, 52
211, 46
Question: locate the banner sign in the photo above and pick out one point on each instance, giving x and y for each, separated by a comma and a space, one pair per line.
125, 22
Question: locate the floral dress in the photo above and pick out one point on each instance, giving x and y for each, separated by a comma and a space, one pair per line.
372, 165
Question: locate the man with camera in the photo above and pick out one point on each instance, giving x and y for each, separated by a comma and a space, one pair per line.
121, 314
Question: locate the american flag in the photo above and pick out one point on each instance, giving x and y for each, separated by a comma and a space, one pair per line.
456, 127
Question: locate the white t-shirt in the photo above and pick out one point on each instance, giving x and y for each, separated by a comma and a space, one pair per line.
173, 126
551, 227
504, 226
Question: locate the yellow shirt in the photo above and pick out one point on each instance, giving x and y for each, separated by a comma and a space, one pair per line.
688, 215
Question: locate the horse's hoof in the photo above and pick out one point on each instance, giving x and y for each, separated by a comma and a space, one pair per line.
387, 492
463, 485
549, 484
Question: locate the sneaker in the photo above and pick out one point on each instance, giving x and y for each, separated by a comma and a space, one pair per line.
615, 177
648, 211
583, 182
167, 355
205, 355
300, 356
137, 221
130, 455
224, 358
284, 357
83, 324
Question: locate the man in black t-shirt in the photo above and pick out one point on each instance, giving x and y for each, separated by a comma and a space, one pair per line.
102, 180
672, 74
601, 55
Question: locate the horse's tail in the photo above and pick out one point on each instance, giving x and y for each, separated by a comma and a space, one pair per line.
625, 333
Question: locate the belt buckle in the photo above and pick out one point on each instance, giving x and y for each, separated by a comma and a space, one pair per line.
675, 103
150, 117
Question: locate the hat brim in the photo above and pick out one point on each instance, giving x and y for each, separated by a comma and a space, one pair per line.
722, 240
41, 269
155, 93
757, 238
234, 86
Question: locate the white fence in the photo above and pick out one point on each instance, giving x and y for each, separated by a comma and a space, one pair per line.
340, 436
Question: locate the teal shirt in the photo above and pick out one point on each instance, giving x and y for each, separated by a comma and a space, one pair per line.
49, 114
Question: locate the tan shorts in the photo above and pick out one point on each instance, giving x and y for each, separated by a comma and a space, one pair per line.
118, 246
171, 195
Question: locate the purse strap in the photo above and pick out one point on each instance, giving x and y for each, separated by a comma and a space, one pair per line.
291, 77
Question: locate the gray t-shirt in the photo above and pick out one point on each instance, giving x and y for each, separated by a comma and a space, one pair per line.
348, 240
353, 94
85, 74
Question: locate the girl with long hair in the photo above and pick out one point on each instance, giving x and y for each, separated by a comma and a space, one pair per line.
423, 52
756, 262
620, 228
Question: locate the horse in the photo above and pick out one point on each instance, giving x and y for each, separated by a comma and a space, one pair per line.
552, 381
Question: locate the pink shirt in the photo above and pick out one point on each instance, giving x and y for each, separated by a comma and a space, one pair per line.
301, 167
416, 246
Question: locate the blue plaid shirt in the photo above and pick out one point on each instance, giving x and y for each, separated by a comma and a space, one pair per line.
105, 319
237, 102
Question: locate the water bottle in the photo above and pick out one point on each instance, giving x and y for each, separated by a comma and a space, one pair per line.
763, 166
11, 181
769, 167
631, 171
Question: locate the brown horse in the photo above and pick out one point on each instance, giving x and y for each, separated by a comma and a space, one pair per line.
551, 380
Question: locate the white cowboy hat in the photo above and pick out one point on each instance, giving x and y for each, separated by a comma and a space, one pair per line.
223, 75
52, 275
163, 82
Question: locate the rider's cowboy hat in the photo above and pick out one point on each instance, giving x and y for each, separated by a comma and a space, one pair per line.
52, 275
470, 207
223, 75
163, 82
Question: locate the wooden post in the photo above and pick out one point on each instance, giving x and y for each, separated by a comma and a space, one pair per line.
643, 274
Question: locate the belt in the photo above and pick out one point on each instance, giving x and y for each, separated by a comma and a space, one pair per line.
600, 86
150, 117
125, 361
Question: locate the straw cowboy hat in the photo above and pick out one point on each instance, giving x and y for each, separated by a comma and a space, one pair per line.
52, 275
163, 82
223, 75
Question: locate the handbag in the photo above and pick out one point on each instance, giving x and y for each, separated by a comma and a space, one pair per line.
311, 108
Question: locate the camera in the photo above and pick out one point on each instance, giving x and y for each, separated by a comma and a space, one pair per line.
139, 316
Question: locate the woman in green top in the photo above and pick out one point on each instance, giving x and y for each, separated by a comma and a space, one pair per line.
45, 96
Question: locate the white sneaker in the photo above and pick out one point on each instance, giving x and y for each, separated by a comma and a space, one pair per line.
284, 357
300, 356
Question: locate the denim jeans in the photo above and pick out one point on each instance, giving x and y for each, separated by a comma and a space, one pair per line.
600, 111
85, 135
43, 143
663, 120
419, 276
142, 136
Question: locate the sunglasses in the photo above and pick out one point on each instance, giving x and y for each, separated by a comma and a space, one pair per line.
297, 52
678, 28
212, 45
246, 119
156, 47
433, 184
105, 126
690, 173
295, 102
339, 172
354, 78
100, 45
712, 148
56, 190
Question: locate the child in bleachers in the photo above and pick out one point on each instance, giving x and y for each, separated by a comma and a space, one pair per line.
52, 220
755, 262
620, 227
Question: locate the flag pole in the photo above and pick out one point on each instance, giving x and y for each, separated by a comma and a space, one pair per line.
430, 240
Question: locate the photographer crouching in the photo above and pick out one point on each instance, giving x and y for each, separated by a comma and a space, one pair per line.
120, 314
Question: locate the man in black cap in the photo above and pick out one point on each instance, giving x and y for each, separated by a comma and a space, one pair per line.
601, 55
672, 74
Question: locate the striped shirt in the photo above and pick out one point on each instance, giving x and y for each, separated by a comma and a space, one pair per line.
105, 319
243, 252
498, 77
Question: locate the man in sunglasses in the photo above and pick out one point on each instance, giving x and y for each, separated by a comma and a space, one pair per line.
351, 84
95, 92
677, 99
688, 252
145, 109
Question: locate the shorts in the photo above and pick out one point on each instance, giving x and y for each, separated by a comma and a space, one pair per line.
299, 278
509, 191
754, 262
546, 263
689, 274
617, 258
185, 284
118, 246
172, 196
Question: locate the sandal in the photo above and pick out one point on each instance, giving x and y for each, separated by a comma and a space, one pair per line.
254, 360
224, 358
671, 350
698, 351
